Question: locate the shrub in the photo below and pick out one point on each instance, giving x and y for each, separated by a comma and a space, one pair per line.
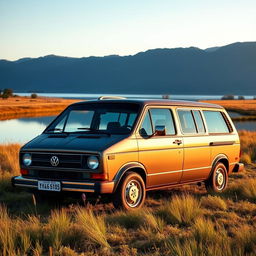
33, 96
7, 93
240, 97
214, 203
228, 97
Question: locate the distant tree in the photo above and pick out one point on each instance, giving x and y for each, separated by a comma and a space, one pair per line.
7, 93
254, 97
166, 96
228, 97
33, 96
240, 97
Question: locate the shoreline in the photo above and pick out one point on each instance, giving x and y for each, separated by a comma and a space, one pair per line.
25, 107
18, 107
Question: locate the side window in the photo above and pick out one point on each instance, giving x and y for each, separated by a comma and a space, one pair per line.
199, 121
146, 127
163, 116
187, 121
215, 122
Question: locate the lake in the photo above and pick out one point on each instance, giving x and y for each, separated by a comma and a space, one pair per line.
145, 96
24, 129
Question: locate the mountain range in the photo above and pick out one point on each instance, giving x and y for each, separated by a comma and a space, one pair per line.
229, 69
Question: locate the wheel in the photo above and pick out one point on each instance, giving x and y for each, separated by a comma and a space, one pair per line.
130, 193
218, 180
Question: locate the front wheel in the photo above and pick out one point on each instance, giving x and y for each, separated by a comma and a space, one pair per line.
218, 180
130, 193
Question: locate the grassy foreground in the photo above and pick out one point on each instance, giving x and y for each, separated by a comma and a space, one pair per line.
183, 221
15, 107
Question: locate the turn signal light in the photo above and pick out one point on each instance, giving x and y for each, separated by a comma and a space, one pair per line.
24, 172
98, 176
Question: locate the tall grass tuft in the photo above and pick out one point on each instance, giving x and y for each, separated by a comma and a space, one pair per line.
7, 234
245, 239
204, 231
154, 222
132, 219
59, 224
245, 188
181, 210
213, 203
191, 247
93, 226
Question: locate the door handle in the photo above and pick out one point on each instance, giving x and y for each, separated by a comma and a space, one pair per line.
178, 142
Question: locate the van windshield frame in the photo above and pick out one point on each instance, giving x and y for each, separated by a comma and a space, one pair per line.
100, 118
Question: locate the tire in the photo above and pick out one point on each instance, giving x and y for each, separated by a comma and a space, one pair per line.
130, 193
218, 180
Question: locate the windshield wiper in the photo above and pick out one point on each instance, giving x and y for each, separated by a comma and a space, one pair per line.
85, 128
57, 130
91, 130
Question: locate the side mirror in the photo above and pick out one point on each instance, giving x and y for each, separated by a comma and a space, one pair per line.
160, 130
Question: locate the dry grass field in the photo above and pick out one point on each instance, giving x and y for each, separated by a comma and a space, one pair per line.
246, 107
16, 107
184, 221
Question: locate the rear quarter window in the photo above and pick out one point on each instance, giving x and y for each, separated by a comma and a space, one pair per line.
215, 122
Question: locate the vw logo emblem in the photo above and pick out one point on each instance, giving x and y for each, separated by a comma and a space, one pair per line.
55, 161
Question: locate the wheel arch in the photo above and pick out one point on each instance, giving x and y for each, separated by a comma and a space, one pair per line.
132, 166
221, 158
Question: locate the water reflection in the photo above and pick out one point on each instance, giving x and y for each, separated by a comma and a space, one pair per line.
24, 129
245, 125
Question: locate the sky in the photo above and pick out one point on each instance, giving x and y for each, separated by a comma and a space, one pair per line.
81, 28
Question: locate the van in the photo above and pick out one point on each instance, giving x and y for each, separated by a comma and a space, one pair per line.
125, 147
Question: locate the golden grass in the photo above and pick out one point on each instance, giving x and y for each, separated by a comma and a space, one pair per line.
26, 107
9, 158
248, 146
172, 224
241, 106
213, 202
182, 210
93, 226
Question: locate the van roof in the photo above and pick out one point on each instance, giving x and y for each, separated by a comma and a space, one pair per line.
160, 102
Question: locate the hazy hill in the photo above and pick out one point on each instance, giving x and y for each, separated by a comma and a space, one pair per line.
219, 70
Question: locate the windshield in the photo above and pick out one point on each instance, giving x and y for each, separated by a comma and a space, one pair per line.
109, 118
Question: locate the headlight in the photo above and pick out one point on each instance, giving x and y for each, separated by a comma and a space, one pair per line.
93, 162
27, 159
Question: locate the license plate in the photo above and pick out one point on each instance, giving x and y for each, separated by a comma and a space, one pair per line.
49, 185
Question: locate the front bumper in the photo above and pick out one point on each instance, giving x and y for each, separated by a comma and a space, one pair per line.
102, 187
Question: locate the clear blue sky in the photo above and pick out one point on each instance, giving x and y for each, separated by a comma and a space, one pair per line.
32, 28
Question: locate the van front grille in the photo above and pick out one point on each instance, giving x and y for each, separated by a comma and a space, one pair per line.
75, 161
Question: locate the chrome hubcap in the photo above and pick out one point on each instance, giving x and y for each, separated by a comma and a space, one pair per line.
133, 193
220, 179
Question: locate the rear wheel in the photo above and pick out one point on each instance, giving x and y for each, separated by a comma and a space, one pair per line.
130, 193
218, 180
